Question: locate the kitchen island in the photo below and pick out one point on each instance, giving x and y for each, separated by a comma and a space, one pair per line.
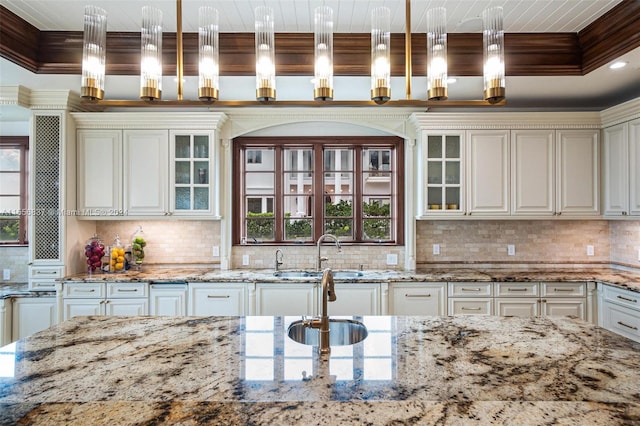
245, 370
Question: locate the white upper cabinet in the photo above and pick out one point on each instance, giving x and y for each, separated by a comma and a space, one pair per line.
488, 172
99, 172
577, 170
621, 184
533, 178
443, 173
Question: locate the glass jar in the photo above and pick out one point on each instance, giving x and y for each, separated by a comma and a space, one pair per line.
116, 256
94, 251
138, 243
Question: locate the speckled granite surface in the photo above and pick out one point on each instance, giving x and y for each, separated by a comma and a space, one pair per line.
245, 370
618, 277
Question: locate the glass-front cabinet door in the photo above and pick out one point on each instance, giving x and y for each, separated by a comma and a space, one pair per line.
444, 176
191, 173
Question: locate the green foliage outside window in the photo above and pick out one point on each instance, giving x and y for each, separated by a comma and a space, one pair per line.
378, 227
334, 224
260, 225
297, 228
9, 229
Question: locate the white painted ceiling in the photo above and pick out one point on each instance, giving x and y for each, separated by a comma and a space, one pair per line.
595, 91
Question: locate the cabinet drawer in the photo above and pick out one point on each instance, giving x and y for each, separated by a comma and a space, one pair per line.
127, 290
42, 285
621, 320
516, 289
470, 289
470, 306
622, 297
46, 272
562, 289
83, 290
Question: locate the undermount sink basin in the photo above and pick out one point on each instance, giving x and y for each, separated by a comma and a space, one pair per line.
337, 275
341, 332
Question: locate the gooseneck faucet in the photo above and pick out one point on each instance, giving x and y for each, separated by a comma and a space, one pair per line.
319, 258
279, 259
322, 323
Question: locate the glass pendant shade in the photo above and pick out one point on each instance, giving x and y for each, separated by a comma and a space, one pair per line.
380, 55
437, 54
493, 43
209, 70
151, 54
323, 54
265, 55
94, 53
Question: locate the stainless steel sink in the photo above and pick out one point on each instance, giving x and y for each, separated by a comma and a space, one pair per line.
341, 332
338, 275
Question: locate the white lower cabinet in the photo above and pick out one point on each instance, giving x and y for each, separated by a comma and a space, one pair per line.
417, 298
355, 299
208, 299
32, 314
470, 298
619, 311
5, 321
127, 299
281, 299
168, 299
517, 307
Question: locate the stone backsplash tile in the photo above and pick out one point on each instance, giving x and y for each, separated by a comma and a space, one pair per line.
625, 242
15, 259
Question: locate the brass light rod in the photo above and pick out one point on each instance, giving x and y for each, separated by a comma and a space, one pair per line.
179, 47
236, 104
407, 50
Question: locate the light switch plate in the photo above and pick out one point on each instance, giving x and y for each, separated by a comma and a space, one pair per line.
511, 250
245, 260
392, 259
6, 274
590, 251
436, 249
215, 252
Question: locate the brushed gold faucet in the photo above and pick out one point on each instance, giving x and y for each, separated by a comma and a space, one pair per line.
319, 258
279, 259
322, 323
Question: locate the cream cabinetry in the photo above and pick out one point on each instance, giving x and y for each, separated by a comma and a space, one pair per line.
542, 299
168, 299
470, 298
488, 172
5, 321
443, 170
286, 298
355, 299
621, 163
619, 311
32, 314
417, 298
128, 299
207, 299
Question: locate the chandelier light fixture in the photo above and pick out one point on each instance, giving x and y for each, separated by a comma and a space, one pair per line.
208, 52
437, 54
94, 53
493, 44
380, 55
94, 60
265, 54
151, 54
323, 53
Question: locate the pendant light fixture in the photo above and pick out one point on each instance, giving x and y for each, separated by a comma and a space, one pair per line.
437, 54
208, 47
94, 53
493, 44
265, 54
323, 54
380, 55
151, 54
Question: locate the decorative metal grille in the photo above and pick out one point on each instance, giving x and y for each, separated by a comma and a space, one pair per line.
46, 152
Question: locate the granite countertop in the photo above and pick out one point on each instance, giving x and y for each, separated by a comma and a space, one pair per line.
618, 277
245, 370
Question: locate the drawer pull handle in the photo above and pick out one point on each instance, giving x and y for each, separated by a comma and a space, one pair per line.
470, 309
627, 299
83, 290
127, 290
562, 289
470, 289
417, 295
214, 296
46, 273
627, 325
517, 289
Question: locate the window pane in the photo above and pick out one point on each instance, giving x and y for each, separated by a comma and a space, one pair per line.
377, 229
9, 229
260, 159
376, 207
9, 183
336, 159
182, 172
183, 198
260, 183
9, 203
260, 226
377, 183
298, 229
201, 198
183, 146
297, 183
298, 159
201, 146
434, 147
201, 172
9, 159
339, 227
338, 185
453, 146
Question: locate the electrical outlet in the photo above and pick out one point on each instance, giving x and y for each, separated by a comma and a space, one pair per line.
590, 251
245, 260
511, 250
215, 252
436, 249
392, 259
6, 274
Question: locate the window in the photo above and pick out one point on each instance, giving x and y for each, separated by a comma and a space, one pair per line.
305, 187
13, 189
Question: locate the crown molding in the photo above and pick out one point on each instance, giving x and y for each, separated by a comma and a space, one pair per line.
627, 111
150, 120
15, 95
506, 120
